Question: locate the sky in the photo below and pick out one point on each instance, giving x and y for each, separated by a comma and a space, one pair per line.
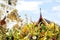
50, 9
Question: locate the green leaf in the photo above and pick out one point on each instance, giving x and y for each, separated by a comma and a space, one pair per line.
43, 27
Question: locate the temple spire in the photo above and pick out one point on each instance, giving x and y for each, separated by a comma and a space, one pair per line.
40, 10
40, 14
40, 19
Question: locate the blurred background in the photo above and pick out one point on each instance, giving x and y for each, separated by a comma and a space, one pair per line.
50, 9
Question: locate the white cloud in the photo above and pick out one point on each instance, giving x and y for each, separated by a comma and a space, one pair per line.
57, 0
56, 14
30, 6
56, 8
48, 1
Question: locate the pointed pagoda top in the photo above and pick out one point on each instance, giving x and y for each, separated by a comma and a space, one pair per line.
40, 10
40, 19
40, 14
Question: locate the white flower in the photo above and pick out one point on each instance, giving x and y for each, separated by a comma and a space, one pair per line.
34, 37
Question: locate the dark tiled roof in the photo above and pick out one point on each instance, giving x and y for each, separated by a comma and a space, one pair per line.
47, 21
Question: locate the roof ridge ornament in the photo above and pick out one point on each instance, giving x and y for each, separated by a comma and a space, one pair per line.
41, 19
40, 14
